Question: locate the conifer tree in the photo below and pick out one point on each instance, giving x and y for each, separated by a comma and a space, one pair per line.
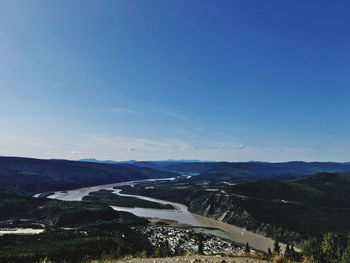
247, 248
276, 247
331, 247
346, 253
287, 253
293, 254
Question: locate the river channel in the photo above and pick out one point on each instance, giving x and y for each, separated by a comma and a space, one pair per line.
179, 214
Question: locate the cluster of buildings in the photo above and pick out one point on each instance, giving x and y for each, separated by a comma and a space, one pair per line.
189, 241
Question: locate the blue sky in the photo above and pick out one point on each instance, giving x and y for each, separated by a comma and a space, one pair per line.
150, 80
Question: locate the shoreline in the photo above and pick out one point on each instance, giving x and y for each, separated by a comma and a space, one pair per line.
20, 231
180, 215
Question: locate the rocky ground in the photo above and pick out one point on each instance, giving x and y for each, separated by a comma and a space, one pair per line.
194, 259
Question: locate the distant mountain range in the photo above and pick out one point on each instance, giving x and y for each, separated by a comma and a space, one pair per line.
255, 171
134, 161
236, 170
178, 166
27, 176
291, 209
163, 165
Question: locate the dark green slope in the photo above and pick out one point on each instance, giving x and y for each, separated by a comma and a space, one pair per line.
19, 210
27, 176
228, 170
254, 171
194, 167
322, 189
289, 209
180, 166
75, 231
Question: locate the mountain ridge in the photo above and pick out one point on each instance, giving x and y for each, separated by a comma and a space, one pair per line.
29, 175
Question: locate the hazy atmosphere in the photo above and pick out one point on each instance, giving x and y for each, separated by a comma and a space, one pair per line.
174, 131
155, 80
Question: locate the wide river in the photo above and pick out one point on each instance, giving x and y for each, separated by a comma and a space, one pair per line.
179, 214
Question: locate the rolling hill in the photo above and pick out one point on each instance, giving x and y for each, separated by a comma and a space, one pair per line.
254, 171
26, 211
290, 210
178, 166
27, 176
237, 171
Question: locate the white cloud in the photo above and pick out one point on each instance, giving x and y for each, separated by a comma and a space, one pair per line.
123, 111
173, 114
125, 148
26, 146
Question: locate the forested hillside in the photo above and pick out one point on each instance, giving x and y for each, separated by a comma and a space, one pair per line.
27, 176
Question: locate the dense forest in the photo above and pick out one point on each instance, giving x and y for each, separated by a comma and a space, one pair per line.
291, 210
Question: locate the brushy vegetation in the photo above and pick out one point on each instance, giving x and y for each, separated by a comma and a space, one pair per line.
110, 241
331, 248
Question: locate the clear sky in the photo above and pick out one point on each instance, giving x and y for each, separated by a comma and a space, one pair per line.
234, 80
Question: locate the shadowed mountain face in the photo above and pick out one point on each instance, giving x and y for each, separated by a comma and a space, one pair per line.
289, 210
180, 166
286, 209
27, 176
240, 171
254, 171
322, 189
